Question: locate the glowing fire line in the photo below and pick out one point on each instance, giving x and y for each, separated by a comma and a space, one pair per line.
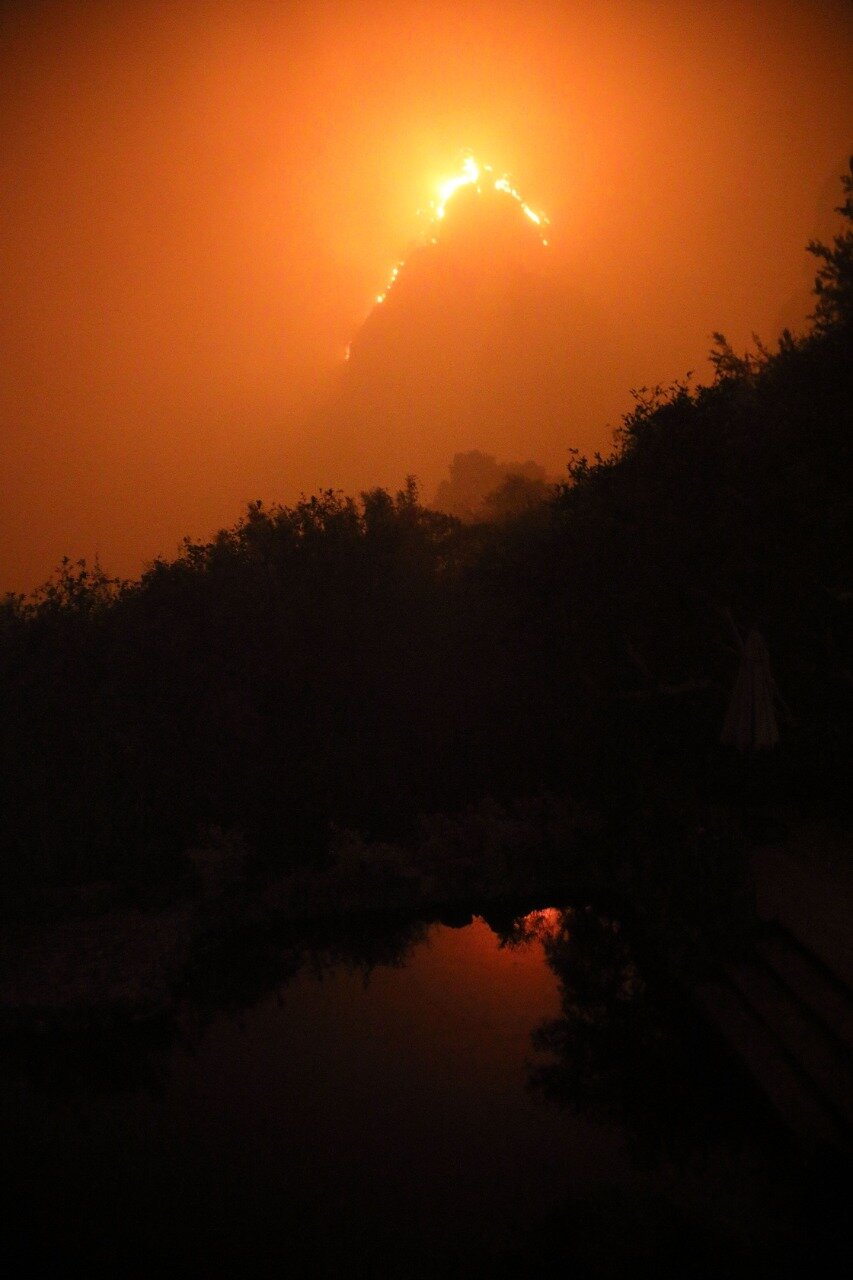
481, 177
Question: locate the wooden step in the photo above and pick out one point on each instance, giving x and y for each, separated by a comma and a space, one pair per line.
789, 1090
809, 980
800, 1033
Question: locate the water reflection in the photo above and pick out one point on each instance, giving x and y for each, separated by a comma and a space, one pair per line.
113, 1056
618, 1047
232, 968
351, 1100
628, 1045
542, 925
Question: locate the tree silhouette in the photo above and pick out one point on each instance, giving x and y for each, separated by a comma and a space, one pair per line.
834, 282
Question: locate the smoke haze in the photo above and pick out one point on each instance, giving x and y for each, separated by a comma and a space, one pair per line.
202, 201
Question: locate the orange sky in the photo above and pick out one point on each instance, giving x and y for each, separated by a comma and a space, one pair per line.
201, 199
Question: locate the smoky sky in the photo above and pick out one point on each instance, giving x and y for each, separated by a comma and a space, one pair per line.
201, 202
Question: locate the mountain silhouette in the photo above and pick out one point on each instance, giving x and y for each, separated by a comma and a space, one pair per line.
479, 343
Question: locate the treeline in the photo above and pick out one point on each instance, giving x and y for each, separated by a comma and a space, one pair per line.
360, 663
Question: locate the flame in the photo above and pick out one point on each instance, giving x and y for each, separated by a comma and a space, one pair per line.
469, 177
548, 922
482, 177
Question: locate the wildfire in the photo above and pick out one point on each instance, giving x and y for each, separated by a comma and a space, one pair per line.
482, 178
546, 923
469, 177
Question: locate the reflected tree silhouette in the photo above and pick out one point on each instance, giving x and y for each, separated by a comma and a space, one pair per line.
67, 1062
234, 967
231, 968
627, 1045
